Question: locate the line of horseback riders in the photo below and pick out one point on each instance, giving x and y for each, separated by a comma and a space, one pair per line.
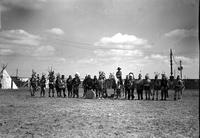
100, 85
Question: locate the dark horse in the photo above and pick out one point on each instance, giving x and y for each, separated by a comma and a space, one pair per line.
51, 83
33, 83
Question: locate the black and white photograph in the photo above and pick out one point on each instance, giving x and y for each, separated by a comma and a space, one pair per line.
99, 69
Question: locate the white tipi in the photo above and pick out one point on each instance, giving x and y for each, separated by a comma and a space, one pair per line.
5, 79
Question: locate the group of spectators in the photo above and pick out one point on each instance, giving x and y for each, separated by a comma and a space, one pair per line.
127, 87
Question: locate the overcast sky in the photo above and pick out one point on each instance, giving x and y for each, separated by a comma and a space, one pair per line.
87, 36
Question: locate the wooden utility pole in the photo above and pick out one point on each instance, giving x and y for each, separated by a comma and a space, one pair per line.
171, 65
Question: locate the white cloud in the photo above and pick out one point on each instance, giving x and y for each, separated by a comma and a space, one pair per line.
60, 59
6, 52
44, 51
183, 59
52, 59
181, 33
158, 56
19, 37
87, 61
119, 38
120, 46
56, 31
122, 41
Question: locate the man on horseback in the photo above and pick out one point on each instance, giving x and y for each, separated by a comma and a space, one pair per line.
51, 83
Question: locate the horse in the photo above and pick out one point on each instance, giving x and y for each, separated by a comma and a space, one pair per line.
51, 78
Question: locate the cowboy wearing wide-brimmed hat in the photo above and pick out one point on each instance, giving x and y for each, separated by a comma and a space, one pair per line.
119, 74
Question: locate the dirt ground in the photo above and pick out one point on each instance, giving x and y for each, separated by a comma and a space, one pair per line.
25, 116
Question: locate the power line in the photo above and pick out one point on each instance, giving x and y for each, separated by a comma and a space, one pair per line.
174, 60
90, 46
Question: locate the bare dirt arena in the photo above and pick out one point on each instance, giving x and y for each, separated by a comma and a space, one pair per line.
24, 116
